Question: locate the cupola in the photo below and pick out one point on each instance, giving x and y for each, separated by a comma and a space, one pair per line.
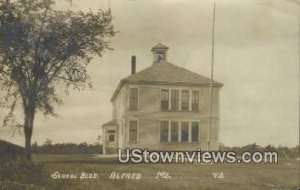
159, 53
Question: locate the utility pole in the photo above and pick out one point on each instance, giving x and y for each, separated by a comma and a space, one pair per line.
211, 76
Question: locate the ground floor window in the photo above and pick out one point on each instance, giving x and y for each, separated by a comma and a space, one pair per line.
184, 131
174, 131
195, 131
133, 131
164, 131
179, 131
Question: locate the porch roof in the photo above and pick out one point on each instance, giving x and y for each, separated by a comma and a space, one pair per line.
111, 122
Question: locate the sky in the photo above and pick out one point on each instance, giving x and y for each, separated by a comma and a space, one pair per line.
256, 58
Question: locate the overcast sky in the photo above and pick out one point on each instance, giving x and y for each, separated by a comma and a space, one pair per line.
256, 58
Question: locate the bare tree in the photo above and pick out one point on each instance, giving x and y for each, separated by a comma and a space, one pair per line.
41, 48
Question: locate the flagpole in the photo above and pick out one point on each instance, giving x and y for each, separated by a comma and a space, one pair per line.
211, 76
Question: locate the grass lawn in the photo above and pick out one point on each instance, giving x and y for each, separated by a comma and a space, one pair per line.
281, 176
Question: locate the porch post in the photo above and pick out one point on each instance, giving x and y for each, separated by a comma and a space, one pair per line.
103, 140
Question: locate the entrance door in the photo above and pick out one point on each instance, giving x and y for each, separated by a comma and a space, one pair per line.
111, 137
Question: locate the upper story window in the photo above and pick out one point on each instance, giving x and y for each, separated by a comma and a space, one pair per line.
174, 99
133, 99
164, 104
185, 100
133, 131
195, 100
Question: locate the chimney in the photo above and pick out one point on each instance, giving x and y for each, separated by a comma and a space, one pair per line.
133, 65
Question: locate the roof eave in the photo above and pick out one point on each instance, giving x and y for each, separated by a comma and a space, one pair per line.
116, 92
123, 81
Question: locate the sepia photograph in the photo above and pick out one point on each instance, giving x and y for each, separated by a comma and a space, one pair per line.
158, 94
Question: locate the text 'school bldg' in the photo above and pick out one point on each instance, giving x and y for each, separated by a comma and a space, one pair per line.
163, 107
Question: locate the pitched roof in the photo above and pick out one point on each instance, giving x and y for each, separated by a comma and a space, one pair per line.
111, 122
160, 46
166, 73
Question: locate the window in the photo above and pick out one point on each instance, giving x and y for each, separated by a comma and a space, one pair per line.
164, 131
111, 135
171, 132
133, 131
111, 138
185, 100
174, 99
164, 100
184, 131
133, 101
195, 100
170, 100
174, 131
195, 132
160, 56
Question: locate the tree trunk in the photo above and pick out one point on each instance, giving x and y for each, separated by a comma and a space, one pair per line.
28, 127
